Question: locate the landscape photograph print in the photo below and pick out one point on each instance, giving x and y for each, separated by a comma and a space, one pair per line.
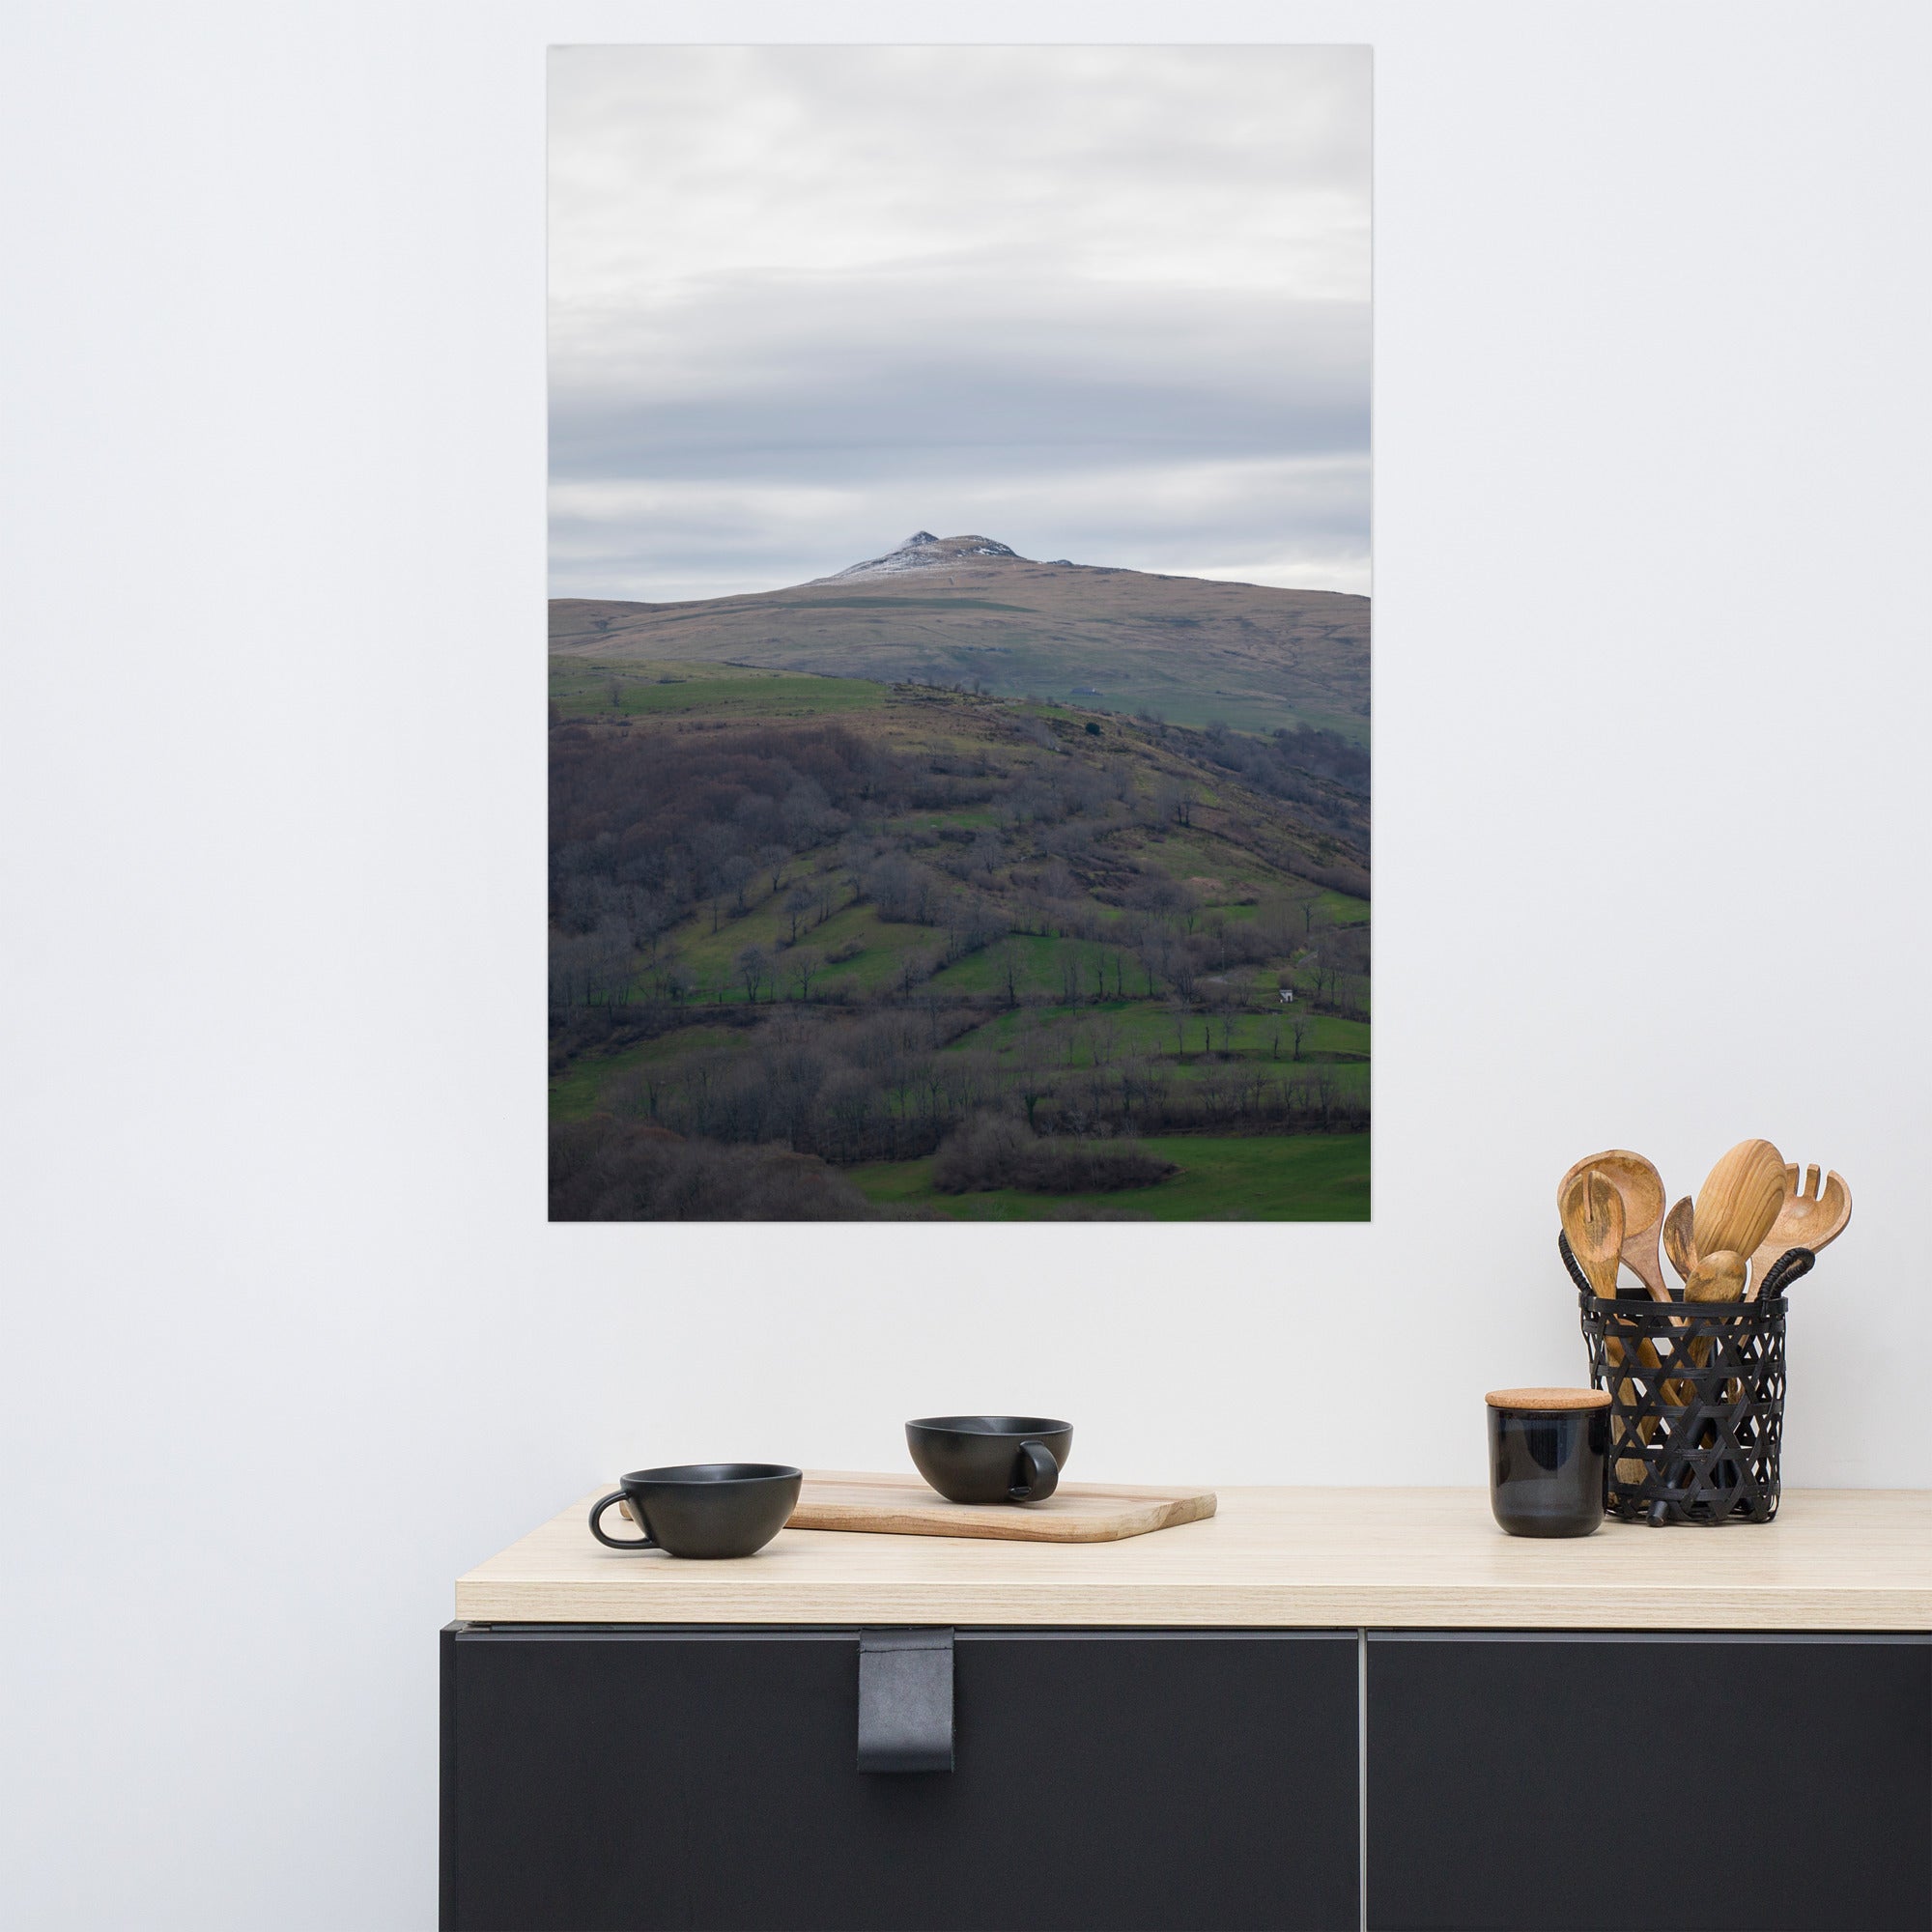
958, 655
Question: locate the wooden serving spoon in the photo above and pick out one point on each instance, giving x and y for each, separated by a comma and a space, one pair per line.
1739, 1200
1641, 1187
1717, 1277
1592, 1212
1680, 1240
1680, 1243
1808, 1217
1593, 1218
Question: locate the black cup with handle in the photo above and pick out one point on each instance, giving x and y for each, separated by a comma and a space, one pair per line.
702, 1509
990, 1458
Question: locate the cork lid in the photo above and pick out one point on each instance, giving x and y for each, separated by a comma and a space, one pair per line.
1548, 1400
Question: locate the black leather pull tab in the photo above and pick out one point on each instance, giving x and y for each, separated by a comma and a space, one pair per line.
905, 1700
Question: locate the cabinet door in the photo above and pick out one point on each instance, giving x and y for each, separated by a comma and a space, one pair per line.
1620, 1782
610, 1779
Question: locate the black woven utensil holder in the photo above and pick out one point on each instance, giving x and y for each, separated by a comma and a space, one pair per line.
1696, 1399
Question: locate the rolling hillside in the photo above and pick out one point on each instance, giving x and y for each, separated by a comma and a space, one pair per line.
827, 948
968, 610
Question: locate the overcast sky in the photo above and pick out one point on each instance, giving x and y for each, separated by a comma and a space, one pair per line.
1105, 304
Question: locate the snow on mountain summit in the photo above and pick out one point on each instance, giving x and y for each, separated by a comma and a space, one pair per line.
923, 551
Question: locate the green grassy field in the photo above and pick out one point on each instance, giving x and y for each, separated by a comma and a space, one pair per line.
589, 688
578, 1089
1146, 1027
1258, 1177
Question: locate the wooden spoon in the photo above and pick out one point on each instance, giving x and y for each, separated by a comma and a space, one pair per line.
1739, 1200
1642, 1190
1714, 1277
1593, 1218
1680, 1240
1808, 1217
1680, 1243
1593, 1222
1717, 1277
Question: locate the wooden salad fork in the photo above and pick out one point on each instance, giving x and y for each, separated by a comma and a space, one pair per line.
1810, 1216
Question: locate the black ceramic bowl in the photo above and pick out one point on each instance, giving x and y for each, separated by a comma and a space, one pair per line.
990, 1458
703, 1509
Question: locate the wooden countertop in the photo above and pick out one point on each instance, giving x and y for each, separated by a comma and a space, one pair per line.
1835, 1559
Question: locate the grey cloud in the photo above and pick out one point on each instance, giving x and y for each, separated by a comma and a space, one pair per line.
1105, 302
1285, 522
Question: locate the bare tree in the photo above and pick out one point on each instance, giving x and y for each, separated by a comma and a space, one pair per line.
797, 903
1006, 972
1174, 799
1152, 961
803, 964
753, 966
1105, 1036
1032, 1079
915, 970
1178, 1011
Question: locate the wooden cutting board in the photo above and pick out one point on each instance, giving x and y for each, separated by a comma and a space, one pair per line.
1076, 1513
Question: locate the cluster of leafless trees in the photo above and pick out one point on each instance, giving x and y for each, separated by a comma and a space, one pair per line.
1322, 771
994, 1150
603, 1169
884, 1087
646, 828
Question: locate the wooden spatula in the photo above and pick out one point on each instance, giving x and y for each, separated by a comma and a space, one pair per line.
1739, 1200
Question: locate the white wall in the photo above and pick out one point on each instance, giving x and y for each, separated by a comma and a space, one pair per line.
289, 1343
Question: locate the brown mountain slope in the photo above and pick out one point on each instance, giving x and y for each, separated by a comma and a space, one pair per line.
947, 612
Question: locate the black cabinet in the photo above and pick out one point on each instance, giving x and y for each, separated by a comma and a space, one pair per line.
1578, 1782
598, 1777
609, 1778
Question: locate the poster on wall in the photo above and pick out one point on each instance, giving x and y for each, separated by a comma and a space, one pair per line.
959, 632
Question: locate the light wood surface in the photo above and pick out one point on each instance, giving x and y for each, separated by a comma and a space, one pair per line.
899, 1505
1846, 1559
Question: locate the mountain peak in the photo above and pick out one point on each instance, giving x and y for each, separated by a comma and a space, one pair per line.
923, 551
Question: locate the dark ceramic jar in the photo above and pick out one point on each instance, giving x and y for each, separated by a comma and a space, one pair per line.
1549, 1457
